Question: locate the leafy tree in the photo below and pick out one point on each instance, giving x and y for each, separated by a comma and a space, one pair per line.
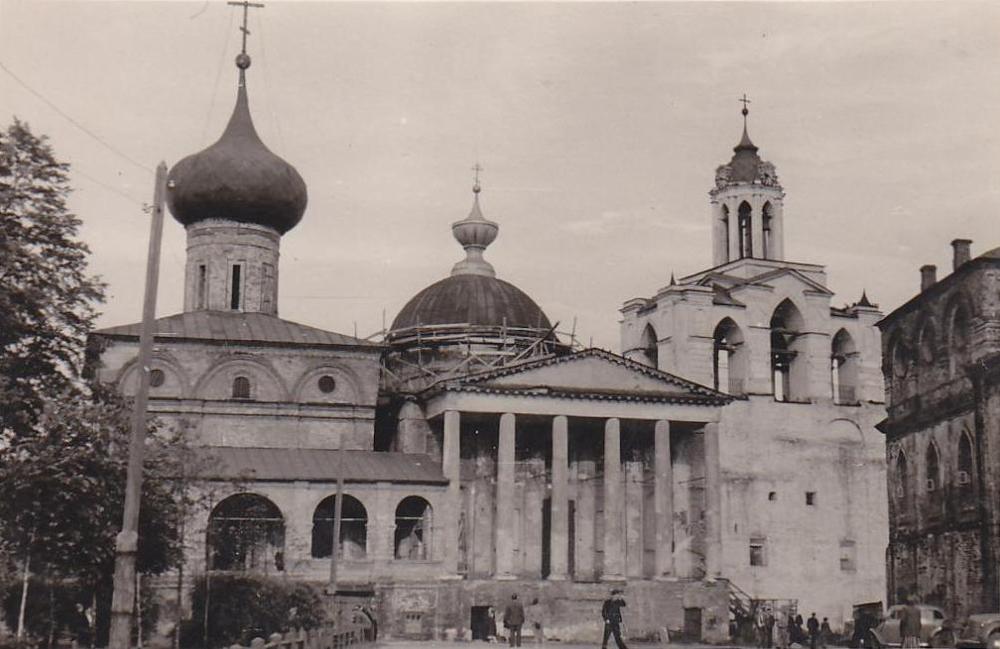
46, 297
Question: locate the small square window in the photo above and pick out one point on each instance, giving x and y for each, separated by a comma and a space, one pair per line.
811, 498
848, 556
772, 495
758, 552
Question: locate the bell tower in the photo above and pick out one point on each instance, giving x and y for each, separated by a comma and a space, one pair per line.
747, 214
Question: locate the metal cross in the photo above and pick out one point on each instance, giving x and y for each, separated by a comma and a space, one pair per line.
745, 101
246, 4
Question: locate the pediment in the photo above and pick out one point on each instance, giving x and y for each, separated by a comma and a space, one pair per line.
784, 274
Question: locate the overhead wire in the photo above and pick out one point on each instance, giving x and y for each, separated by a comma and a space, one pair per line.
218, 76
267, 86
106, 186
72, 121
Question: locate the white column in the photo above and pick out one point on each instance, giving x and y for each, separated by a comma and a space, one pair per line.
451, 468
559, 505
614, 505
734, 230
713, 504
720, 237
663, 500
757, 225
777, 230
505, 498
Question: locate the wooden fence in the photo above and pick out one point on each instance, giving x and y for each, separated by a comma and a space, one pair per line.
323, 637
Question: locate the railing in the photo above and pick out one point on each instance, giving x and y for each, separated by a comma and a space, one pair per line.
323, 637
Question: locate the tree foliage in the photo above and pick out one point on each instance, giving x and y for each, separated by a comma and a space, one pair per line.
47, 299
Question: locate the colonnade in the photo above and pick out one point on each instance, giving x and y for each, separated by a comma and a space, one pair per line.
614, 493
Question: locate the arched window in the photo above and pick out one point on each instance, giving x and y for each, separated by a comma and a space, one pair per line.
925, 344
414, 528
725, 227
958, 339
844, 368
767, 215
650, 346
729, 358
902, 483
246, 532
788, 369
353, 528
965, 464
241, 387
746, 231
933, 479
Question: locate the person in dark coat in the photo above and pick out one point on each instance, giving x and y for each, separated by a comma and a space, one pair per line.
611, 611
909, 624
813, 625
513, 620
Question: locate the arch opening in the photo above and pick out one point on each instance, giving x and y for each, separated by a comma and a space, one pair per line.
844, 369
788, 366
729, 358
353, 529
649, 344
725, 229
767, 218
965, 461
246, 532
746, 230
414, 529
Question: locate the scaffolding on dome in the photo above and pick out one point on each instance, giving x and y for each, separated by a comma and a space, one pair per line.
422, 355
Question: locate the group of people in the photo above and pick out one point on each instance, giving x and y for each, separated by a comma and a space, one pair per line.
514, 619
775, 629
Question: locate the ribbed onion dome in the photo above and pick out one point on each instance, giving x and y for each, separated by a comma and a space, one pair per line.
238, 178
472, 294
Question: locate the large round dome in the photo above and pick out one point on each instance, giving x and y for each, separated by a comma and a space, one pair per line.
237, 179
477, 300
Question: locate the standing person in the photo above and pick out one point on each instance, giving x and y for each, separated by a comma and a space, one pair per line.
611, 611
491, 624
813, 625
781, 622
760, 619
769, 627
825, 633
513, 619
909, 624
535, 621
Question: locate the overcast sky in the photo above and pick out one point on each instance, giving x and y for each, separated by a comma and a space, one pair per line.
599, 127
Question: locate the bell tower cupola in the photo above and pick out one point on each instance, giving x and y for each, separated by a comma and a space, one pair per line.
747, 218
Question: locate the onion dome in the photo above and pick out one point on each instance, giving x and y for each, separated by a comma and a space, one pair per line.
238, 178
472, 295
746, 166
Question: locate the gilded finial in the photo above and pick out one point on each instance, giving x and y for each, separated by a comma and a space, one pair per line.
475, 186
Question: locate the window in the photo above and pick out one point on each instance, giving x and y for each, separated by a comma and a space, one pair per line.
156, 378
964, 476
241, 387
933, 468
650, 346
746, 232
326, 384
848, 556
811, 498
958, 339
202, 291
772, 496
725, 226
246, 532
235, 288
758, 552
902, 490
788, 372
414, 528
768, 218
353, 528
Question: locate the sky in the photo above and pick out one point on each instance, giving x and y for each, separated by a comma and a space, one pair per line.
598, 125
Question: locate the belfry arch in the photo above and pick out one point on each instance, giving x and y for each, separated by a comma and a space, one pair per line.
729, 358
788, 362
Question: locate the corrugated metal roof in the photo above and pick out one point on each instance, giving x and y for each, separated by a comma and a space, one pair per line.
236, 327
318, 465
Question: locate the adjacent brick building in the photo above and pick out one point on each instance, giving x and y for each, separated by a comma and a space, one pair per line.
941, 361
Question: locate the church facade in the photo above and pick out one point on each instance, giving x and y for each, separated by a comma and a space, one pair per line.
802, 465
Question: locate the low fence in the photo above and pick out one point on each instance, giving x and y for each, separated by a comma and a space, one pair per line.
322, 637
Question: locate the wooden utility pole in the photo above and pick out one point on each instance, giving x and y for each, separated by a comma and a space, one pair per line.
127, 542
338, 510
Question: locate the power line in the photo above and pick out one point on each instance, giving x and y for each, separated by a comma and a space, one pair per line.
110, 188
218, 75
71, 120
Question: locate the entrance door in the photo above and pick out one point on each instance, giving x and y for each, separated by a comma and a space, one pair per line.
479, 622
692, 624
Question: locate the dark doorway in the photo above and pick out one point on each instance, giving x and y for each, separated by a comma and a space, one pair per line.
692, 624
546, 538
479, 622
571, 536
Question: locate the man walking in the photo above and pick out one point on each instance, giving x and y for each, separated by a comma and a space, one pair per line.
909, 624
812, 624
611, 611
513, 619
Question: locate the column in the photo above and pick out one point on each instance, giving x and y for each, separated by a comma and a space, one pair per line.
734, 230
634, 528
757, 225
559, 503
777, 231
663, 499
505, 498
451, 468
720, 237
713, 502
614, 505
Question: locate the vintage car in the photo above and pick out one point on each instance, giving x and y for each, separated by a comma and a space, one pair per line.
933, 632
981, 631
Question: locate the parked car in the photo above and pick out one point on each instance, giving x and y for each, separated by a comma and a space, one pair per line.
981, 631
933, 631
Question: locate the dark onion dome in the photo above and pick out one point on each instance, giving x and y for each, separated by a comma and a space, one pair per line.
238, 178
472, 295
746, 166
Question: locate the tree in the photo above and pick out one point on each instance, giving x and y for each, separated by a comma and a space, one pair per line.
47, 299
64, 486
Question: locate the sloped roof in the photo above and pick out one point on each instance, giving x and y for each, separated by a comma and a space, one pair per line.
235, 326
317, 465
611, 377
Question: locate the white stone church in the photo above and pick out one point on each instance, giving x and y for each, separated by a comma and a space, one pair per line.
728, 453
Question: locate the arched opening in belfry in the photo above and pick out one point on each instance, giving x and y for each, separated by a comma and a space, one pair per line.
246, 532
729, 354
746, 230
965, 461
414, 529
725, 228
767, 221
650, 346
353, 529
788, 363
844, 361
